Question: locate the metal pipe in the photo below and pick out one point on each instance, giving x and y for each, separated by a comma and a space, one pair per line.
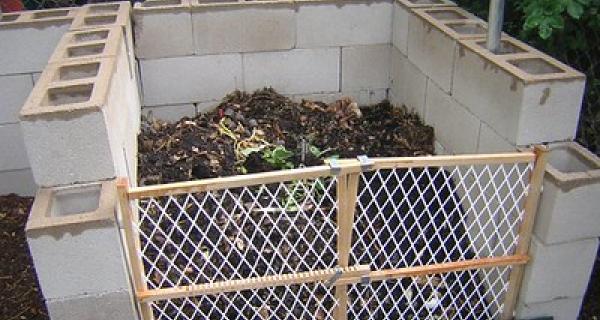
495, 21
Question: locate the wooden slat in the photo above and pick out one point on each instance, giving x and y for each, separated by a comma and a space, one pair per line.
526, 228
457, 160
347, 193
235, 181
354, 272
409, 272
132, 246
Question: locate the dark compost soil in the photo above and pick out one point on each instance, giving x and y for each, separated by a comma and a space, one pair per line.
20, 297
210, 144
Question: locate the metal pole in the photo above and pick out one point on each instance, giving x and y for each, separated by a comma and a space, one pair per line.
495, 20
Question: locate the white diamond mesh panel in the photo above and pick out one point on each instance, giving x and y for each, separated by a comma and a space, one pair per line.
278, 228
475, 294
420, 216
304, 301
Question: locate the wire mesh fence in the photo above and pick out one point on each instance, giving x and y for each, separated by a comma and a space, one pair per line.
239, 233
242, 232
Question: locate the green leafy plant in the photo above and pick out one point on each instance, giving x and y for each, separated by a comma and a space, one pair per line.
279, 157
545, 16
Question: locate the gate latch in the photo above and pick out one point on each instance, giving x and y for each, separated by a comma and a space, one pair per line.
365, 162
336, 276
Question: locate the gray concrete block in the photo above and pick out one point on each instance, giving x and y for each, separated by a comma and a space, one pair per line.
243, 27
75, 121
367, 97
17, 181
546, 277
105, 306
32, 30
491, 142
14, 90
408, 83
293, 72
365, 67
14, 156
190, 79
170, 113
558, 309
75, 241
327, 24
432, 40
400, 27
163, 29
527, 99
455, 127
568, 208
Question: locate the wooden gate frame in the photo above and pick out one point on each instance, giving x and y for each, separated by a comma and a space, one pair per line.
348, 173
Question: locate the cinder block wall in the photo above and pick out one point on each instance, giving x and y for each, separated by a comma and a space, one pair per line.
27, 40
314, 49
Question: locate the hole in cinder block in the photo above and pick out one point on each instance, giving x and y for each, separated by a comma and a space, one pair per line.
505, 47
50, 14
81, 71
104, 8
69, 95
88, 50
74, 201
158, 3
446, 15
101, 20
535, 66
426, 1
9, 17
467, 28
90, 36
569, 160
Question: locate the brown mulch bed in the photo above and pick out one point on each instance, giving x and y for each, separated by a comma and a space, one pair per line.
219, 143
590, 309
20, 296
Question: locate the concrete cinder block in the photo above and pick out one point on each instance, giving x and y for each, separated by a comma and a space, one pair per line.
293, 72
367, 97
432, 40
491, 142
163, 28
75, 121
75, 241
190, 79
524, 95
558, 309
402, 11
408, 83
17, 181
547, 279
106, 306
14, 90
14, 155
455, 127
365, 67
94, 16
333, 23
246, 26
170, 113
31, 29
568, 208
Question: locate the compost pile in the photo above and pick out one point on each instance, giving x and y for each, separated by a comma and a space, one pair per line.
20, 297
288, 227
265, 131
